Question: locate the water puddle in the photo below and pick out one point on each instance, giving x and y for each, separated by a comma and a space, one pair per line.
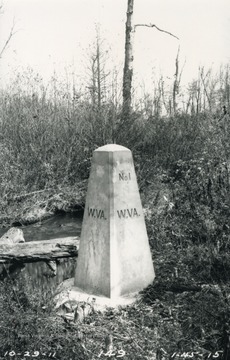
58, 226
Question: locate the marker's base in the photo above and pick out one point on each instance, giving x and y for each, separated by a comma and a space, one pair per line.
101, 303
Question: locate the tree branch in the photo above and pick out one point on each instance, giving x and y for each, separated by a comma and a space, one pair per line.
11, 34
152, 25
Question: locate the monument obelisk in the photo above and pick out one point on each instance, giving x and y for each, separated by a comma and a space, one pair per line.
114, 257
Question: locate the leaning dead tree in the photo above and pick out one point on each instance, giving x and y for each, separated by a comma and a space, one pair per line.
128, 66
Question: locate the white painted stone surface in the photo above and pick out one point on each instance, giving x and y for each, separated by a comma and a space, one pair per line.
114, 256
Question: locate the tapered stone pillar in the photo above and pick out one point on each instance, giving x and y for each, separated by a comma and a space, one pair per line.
114, 256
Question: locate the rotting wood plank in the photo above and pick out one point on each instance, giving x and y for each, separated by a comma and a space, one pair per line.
44, 250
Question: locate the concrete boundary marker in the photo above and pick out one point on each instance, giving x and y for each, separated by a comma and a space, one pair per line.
114, 259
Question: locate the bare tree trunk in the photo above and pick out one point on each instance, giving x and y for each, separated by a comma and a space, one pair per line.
205, 83
176, 83
98, 75
93, 87
128, 66
227, 89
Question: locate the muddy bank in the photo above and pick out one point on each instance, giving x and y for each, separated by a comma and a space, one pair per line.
30, 208
57, 226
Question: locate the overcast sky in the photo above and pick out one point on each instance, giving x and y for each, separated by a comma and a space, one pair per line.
55, 34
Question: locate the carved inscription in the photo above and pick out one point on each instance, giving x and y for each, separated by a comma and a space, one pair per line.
96, 213
127, 213
124, 177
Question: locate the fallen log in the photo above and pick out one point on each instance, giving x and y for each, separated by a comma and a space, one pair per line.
46, 250
43, 264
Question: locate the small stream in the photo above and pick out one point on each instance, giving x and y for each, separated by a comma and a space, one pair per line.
58, 226
37, 275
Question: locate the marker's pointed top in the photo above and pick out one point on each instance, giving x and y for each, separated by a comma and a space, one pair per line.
112, 148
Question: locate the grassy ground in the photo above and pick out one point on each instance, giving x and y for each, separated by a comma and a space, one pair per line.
185, 312
176, 315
